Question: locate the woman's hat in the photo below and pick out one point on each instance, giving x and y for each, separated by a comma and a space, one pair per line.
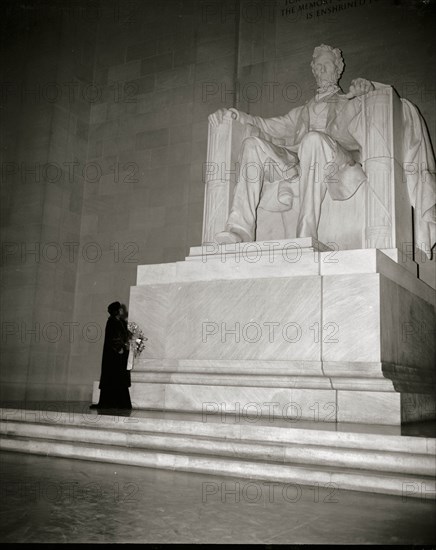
113, 308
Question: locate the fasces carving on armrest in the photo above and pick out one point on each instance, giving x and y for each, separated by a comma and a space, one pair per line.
382, 124
387, 210
224, 145
381, 91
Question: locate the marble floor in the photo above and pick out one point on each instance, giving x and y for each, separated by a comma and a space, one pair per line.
46, 499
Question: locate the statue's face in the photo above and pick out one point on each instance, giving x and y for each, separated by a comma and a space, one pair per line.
324, 70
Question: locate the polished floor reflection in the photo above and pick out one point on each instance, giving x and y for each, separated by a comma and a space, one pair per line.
47, 499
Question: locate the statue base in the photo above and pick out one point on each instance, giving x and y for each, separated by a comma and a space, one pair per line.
286, 328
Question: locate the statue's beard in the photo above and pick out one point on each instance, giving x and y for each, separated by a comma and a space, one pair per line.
327, 83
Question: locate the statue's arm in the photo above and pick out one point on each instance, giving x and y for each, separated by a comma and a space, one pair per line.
279, 127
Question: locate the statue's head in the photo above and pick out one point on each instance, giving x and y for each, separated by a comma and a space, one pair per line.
327, 65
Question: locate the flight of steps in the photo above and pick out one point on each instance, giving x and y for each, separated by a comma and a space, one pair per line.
298, 453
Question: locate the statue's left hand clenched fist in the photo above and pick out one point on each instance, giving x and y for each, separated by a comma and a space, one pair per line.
360, 86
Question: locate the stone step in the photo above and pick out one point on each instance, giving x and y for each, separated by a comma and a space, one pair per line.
307, 454
265, 381
262, 367
354, 457
239, 366
345, 375
346, 369
299, 403
335, 478
234, 427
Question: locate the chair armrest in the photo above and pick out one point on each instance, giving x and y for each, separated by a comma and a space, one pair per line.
221, 170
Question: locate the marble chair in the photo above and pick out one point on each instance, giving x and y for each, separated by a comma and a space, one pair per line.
378, 215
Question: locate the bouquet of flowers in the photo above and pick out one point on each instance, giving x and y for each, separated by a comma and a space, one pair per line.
137, 342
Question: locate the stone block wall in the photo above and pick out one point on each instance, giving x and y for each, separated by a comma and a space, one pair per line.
44, 145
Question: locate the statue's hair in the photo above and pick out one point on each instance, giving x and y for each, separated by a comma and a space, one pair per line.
337, 54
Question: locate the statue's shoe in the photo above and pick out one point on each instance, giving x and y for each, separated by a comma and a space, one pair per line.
228, 237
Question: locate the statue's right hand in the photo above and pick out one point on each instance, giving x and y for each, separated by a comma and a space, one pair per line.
216, 118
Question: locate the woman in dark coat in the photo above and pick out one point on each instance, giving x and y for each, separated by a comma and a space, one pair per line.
115, 378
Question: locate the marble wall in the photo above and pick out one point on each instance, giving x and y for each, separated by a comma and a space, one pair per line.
44, 145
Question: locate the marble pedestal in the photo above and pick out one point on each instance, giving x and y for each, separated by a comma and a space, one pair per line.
286, 328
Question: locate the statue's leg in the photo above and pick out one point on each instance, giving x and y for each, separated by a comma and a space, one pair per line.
317, 152
242, 219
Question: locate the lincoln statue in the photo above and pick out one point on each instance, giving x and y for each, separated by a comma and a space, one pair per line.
311, 151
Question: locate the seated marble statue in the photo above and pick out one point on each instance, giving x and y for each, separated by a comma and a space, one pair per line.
312, 147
